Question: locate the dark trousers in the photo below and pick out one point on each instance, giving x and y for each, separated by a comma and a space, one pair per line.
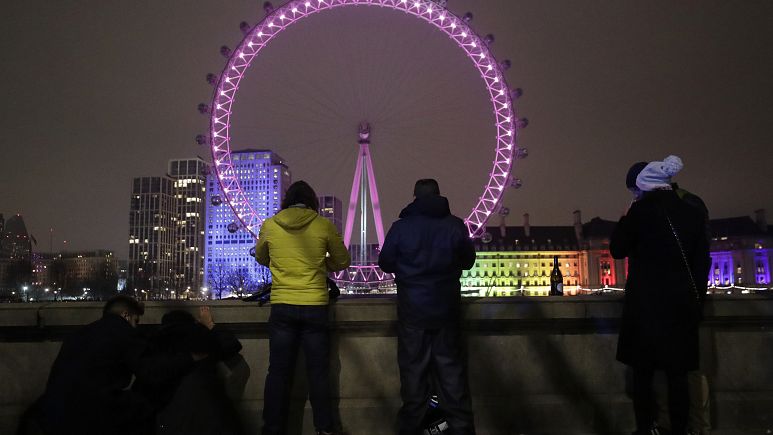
291, 327
427, 357
644, 399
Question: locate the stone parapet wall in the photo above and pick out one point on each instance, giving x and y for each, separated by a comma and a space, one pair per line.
543, 365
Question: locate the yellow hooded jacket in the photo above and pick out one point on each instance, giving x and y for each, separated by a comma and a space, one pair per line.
295, 244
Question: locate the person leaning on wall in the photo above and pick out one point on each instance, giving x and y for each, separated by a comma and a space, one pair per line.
427, 249
699, 414
301, 248
664, 240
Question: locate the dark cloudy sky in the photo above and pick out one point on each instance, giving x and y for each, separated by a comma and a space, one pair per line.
96, 92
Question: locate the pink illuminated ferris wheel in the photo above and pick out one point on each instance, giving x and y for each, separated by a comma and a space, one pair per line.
431, 11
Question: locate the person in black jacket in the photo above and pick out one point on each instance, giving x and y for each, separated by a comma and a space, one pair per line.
664, 240
88, 387
427, 249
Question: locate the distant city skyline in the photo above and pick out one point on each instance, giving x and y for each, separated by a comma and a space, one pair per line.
606, 84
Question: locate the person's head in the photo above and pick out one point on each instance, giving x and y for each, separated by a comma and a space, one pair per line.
177, 317
630, 178
126, 307
300, 193
657, 175
426, 187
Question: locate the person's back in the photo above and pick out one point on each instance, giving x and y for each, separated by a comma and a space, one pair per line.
90, 370
427, 249
657, 270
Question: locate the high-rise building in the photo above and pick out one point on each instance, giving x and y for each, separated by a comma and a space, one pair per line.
331, 208
152, 230
15, 255
15, 241
189, 189
229, 263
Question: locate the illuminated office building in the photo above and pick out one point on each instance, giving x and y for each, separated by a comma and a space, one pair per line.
152, 231
229, 264
189, 190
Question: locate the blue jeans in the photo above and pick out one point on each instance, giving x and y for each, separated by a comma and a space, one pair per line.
291, 327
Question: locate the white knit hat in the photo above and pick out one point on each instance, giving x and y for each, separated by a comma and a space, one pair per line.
658, 174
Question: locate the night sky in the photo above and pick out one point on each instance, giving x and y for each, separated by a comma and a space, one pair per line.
97, 92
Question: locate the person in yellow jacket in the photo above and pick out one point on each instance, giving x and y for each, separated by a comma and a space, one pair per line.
301, 248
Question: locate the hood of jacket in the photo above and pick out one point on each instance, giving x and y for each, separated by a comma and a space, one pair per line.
434, 206
294, 218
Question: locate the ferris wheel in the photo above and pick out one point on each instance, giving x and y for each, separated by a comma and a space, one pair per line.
434, 12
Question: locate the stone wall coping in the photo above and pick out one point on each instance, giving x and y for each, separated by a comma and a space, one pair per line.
382, 309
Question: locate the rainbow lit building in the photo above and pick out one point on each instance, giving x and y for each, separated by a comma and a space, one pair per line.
517, 260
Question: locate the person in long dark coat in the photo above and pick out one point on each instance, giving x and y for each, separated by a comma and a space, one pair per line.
664, 240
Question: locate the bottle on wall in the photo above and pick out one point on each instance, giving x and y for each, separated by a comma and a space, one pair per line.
556, 279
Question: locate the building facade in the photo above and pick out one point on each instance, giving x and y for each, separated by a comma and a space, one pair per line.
331, 208
152, 235
517, 260
230, 266
741, 252
189, 189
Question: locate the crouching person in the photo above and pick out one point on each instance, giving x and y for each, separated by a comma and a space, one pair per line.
88, 388
201, 400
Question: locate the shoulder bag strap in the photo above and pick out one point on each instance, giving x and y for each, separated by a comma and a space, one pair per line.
684, 256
